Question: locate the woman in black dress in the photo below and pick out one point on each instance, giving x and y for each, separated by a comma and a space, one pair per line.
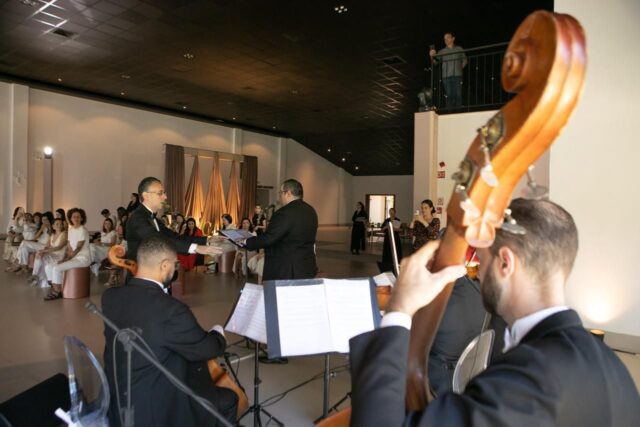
359, 219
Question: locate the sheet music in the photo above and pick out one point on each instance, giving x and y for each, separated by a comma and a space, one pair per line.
303, 320
385, 279
320, 317
248, 318
349, 307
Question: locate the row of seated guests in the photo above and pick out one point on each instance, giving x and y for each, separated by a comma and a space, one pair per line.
59, 248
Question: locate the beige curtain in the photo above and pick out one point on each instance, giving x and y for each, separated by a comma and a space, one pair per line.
233, 197
194, 203
214, 205
174, 176
249, 177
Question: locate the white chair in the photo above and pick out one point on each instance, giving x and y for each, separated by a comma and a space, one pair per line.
88, 387
473, 360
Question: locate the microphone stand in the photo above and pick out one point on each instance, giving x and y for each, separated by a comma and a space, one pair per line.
128, 339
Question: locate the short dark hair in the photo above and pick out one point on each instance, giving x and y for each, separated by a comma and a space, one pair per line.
82, 213
145, 184
294, 187
153, 249
551, 240
430, 203
451, 33
226, 216
104, 212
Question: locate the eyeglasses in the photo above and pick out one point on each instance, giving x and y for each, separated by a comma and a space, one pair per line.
159, 193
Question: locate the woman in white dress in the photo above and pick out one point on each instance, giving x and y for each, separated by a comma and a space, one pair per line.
14, 232
77, 253
28, 247
52, 253
237, 269
100, 249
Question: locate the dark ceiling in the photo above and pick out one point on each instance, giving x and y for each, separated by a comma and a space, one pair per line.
345, 82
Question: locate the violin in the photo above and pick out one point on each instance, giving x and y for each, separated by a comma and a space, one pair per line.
219, 375
545, 65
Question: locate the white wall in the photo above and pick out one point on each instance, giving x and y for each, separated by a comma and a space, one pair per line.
593, 167
400, 185
101, 151
326, 187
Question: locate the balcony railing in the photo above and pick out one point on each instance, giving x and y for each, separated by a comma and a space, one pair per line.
476, 87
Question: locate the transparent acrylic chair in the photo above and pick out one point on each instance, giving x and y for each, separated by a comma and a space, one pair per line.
87, 385
474, 359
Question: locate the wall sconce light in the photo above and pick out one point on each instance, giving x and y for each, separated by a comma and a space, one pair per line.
597, 333
48, 152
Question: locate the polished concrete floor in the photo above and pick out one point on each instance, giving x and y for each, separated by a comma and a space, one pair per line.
31, 337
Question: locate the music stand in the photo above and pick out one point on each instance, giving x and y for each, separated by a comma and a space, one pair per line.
256, 408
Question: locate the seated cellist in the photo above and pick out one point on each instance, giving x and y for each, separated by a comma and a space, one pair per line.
170, 329
552, 372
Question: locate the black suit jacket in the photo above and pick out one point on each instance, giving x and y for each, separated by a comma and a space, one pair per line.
559, 375
180, 344
289, 242
140, 226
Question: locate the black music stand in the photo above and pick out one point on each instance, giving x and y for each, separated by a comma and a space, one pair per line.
256, 408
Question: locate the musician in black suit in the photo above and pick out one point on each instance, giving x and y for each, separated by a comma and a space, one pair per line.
143, 223
552, 373
173, 334
289, 241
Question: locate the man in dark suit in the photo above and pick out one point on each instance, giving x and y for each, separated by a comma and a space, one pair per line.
143, 223
172, 333
289, 240
552, 373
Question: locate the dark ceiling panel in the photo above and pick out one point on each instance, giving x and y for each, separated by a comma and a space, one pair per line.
342, 81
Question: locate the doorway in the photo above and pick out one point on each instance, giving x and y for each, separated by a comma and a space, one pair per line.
378, 206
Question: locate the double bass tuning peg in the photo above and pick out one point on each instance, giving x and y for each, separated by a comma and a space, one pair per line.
510, 225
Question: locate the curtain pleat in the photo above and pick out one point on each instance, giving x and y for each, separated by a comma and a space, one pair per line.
194, 204
249, 177
214, 205
233, 196
174, 176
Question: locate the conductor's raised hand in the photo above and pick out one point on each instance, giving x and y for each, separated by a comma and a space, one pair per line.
208, 250
416, 286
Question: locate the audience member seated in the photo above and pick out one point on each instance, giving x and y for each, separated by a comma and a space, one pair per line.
178, 223
14, 233
52, 253
191, 260
173, 334
107, 215
237, 269
28, 247
77, 253
256, 265
60, 213
100, 249
121, 226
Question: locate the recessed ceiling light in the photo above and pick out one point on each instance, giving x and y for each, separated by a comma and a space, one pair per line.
189, 56
340, 8
125, 76
29, 3
328, 150
184, 107
274, 127
344, 160
357, 167
233, 118
60, 79
294, 92
122, 93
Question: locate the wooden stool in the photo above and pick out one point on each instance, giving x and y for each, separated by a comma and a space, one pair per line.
225, 262
32, 259
76, 283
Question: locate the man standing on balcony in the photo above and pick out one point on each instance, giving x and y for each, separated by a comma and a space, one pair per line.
453, 61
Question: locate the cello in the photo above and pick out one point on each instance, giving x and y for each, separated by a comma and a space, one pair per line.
219, 375
545, 65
